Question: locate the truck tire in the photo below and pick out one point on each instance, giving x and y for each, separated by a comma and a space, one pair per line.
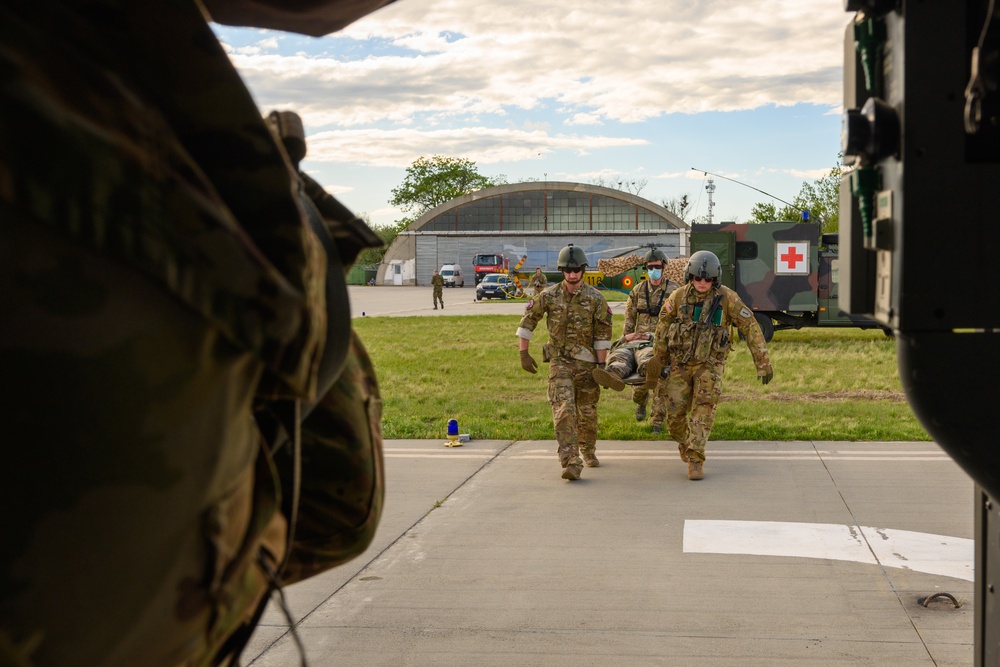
766, 325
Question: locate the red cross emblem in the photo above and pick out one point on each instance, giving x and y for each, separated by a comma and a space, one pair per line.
792, 258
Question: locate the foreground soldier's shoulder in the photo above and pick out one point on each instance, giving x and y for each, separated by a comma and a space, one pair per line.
595, 294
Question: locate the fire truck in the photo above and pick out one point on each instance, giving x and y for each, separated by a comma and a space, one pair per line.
487, 263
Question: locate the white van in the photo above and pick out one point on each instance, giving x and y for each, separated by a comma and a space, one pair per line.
452, 274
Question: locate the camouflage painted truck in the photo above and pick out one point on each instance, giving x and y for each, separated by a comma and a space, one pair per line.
786, 272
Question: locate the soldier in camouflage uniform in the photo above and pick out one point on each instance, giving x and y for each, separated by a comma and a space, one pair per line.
694, 335
538, 282
630, 353
194, 423
437, 282
579, 325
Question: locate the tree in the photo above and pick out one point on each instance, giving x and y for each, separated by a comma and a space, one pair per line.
432, 182
821, 198
632, 186
679, 206
388, 234
769, 212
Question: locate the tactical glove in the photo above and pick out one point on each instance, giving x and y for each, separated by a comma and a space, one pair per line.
765, 374
527, 363
653, 368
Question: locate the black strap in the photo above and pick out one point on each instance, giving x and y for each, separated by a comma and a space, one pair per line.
649, 310
711, 311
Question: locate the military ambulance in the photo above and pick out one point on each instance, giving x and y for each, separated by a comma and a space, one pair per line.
786, 272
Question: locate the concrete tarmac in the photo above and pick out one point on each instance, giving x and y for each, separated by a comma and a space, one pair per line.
415, 301
787, 553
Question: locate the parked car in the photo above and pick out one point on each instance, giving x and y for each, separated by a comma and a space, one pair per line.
493, 286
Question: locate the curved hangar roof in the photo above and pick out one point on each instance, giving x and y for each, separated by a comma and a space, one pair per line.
547, 206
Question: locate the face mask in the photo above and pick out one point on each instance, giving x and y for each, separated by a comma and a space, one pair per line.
655, 274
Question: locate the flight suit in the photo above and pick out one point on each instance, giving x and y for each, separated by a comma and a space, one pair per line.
578, 325
694, 335
642, 312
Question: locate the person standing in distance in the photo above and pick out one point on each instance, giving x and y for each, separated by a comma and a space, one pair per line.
538, 282
437, 282
579, 325
694, 337
632, 351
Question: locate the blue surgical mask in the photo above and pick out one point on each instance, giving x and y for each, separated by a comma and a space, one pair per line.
655, 274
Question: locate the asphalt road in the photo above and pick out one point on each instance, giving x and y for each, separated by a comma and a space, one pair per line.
409, 301
791, 553
787, 553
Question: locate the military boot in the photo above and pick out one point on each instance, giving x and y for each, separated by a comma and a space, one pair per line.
608, 379
640, 412
590, 459
653, 368
656, 428
572, 471
695, 471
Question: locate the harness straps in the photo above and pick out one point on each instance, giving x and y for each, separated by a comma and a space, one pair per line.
649, 310
706, 318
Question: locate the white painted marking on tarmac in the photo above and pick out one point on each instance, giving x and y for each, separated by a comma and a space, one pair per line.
442, 448
637, 454
439, 455
435, 453
668, 453
921, 552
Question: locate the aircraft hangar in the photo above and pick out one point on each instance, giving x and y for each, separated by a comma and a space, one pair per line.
534, 219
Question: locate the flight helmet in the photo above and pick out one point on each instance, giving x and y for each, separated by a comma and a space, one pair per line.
703, 264
655, 255
572, 257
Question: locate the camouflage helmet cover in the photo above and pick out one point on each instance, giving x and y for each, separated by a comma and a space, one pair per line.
655, 255
572, 256
705, 265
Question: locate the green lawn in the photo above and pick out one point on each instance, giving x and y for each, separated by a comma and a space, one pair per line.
829, 384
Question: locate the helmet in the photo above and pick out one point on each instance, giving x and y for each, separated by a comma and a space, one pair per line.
655, 255
572, 256
704, 264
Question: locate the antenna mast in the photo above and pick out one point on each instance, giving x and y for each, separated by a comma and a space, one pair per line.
710, 188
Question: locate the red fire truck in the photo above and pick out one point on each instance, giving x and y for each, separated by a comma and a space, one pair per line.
489, 263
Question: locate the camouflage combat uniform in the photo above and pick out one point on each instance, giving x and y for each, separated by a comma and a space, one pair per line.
578, 325
696, 351
642, 312
163, 318
538, 282
437, 282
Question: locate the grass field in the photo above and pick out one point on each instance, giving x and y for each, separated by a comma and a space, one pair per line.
829, 384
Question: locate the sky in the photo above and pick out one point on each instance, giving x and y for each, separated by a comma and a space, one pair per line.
649, 92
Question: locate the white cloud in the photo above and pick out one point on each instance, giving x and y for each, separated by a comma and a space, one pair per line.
583, 119
624, 62
483, 145
811, 174
575, 89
